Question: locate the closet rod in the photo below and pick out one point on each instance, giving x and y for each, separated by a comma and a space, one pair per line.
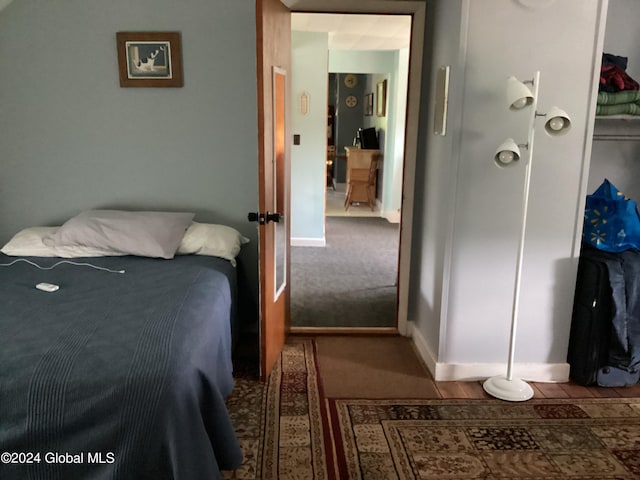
617, 128
616, 138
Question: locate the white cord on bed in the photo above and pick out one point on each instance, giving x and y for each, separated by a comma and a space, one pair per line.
58, 263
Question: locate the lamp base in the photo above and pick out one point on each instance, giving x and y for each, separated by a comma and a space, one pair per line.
514, 390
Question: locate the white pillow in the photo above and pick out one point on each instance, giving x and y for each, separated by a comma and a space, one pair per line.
30, 243
146, 234
212, 239
77, 251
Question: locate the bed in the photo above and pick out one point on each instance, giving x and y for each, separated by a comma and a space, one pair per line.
116, 375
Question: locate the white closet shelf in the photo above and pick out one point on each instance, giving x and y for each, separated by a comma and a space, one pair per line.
616, 128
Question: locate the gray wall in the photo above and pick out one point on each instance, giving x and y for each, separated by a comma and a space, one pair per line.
308, 167
72, 139
348, 119
469, 211
435, 180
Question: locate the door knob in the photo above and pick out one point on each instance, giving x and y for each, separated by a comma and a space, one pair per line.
256, 217
273, 217
263, 218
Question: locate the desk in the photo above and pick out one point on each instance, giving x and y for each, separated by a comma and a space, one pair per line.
360, 159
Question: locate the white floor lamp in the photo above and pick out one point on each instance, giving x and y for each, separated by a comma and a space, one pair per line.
557, 122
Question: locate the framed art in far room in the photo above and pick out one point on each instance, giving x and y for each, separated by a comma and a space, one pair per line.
368, 104
381, 98
149, 59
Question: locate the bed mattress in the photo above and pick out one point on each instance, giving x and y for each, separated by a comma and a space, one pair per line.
116, 375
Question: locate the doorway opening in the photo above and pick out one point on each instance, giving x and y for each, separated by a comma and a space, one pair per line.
349, 280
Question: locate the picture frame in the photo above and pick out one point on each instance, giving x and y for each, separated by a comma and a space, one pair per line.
381, 98
368, 104
150, 59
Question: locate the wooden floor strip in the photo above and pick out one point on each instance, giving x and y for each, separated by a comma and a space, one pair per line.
443, 389
551, 390
475, 390
451, 389
627, 392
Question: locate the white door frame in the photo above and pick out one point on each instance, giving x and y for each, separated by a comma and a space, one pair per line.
417, 9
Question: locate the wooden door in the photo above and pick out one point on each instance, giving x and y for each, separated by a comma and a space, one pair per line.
273, 26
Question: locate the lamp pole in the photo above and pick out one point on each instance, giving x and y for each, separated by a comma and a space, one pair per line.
507, 387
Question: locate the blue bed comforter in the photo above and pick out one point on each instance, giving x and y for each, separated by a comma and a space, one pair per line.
116, 376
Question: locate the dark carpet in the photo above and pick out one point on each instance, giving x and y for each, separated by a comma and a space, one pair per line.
352, 281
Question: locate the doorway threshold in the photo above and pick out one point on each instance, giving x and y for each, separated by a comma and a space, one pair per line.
343, 331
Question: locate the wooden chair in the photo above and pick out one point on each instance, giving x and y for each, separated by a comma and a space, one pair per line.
361, 186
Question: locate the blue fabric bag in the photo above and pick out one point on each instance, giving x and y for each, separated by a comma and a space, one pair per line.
611, 221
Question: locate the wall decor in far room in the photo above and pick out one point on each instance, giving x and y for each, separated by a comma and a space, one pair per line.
368, 104
149, 59
381, 98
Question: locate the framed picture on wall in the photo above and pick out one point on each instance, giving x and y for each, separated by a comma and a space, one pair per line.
368, 104
149, 59
381, 98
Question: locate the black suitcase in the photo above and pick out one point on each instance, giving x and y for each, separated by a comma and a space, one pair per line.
591, 319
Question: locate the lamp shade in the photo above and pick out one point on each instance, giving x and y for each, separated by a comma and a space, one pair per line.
518, 94
507, 153
557, 122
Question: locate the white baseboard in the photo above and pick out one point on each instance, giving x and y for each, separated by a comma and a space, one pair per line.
532, 372
427, 356
392, 216
308, 242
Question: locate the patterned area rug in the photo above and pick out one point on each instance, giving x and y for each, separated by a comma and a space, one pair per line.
280, 424
488, 439
288, 430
